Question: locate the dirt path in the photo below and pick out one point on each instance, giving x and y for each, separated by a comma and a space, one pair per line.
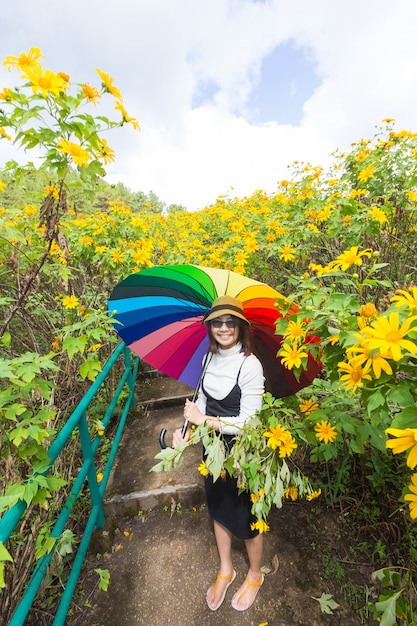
159, 548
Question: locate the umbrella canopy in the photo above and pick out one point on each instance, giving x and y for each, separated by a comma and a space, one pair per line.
159, 314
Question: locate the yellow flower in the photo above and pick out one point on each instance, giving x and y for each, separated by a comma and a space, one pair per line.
108, 85
350, 257
368, 310
99, 477
260, 525
46, 82
291, 493
406, 299
2, 185
405, 439
6, 94
377, 361
90, 93
366, 173
117, 256
313, 495
70, 302
296, 331
56, 344
126, 118
287, 252
412, 497
308, 406
325, 432
4, 134
105, 152
292, 355
386, 335
202, 468
24, 60
287, 445
377, 214
79, 155
353, 377
275, 436
51, 189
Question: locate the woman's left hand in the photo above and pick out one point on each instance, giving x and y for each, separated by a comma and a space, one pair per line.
193, 414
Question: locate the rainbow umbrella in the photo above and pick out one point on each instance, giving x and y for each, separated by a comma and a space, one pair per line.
159, 313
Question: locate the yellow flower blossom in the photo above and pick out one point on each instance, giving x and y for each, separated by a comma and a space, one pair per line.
46, 82
99, 477
412, 497
202, 468
260, 526
387, 335
308, 406
117, 256
70, 302
292, 355
275, 436
313, 495
291, 493
287, 252
79, 155
91, 93
404, 298
325, 432
405, 439
4, 134
24, 60
378, 214
126, 118
350, 257
366, 173
107, 82
104, 152
287, 446
6, 94
368, 310
296, 331
354, 376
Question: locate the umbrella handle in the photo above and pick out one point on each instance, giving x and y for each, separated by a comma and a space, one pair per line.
185, 425
164, 432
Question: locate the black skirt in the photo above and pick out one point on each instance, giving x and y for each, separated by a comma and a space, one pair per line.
229, 508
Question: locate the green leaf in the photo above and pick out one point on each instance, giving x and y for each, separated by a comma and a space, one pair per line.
72, 345
4, 553
327, 604
405, 419
104, 578
90, 369
387, 608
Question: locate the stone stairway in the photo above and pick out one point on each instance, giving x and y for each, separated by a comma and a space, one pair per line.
159, 548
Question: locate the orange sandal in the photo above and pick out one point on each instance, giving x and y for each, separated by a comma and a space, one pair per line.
229, 580
249, 584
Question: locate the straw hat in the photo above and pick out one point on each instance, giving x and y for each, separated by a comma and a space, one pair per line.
225, 305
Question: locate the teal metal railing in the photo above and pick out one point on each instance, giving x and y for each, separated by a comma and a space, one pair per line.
89, 447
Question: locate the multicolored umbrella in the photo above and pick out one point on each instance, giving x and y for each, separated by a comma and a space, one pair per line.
159, 313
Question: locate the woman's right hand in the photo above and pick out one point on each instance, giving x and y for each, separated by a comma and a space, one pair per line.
177, 437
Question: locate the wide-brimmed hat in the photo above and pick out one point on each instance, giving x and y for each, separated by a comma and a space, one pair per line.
225, 305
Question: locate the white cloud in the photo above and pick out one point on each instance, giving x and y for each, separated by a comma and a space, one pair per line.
160, 52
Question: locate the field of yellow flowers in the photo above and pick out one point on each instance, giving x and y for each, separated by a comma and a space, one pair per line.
340, 243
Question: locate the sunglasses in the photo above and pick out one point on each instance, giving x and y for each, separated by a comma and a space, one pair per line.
219, 323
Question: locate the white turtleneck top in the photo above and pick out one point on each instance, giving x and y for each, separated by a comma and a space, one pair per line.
220, 378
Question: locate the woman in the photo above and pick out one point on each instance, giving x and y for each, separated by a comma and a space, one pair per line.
230, 393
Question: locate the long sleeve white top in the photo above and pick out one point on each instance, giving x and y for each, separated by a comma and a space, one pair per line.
220, 378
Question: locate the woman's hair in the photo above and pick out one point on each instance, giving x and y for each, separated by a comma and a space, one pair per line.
245, 337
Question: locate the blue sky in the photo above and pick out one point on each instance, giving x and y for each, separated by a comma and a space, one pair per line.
228, 93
